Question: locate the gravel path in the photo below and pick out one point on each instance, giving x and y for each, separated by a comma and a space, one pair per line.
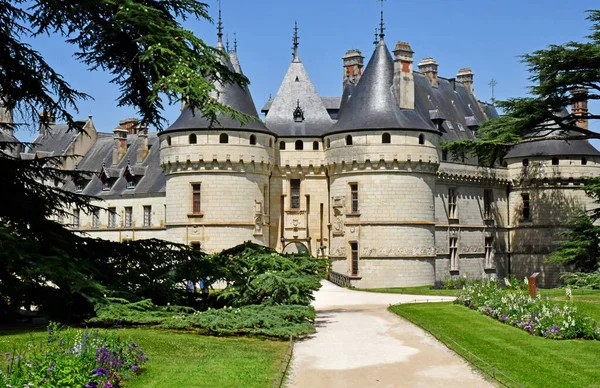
360, 344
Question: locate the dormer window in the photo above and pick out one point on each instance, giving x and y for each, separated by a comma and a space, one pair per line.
449, 124
106, 180
132, 175
298, 113
461, 127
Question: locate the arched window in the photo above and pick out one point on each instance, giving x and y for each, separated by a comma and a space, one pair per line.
328, 143
386, 138
555, 161
223, 138
169, 141
421, 139
252, 140
193, 139
349, 140
525, 162
282, 145
299, 145
504, 163
270, 143
583, 161
315, 145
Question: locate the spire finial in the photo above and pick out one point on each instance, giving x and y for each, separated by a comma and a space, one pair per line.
296, 44
227, 42
381, 23
376, 36
235, 42
220, 25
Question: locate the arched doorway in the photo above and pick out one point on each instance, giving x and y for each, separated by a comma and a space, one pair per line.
296, 247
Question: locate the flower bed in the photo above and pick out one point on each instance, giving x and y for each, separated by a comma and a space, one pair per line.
73, 358
536, 316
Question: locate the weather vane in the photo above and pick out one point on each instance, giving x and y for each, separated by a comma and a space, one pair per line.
381, 23
493, 84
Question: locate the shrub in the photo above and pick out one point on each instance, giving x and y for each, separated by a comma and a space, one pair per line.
536, 316
582, 280
73, 358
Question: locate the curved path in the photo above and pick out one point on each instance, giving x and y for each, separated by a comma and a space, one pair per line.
360, 344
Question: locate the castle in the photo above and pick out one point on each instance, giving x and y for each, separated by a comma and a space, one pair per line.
360, 179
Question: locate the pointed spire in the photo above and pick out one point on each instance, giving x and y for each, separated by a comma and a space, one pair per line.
376, 36
220, 27
296, 44
235, 42
381, 23
227, 42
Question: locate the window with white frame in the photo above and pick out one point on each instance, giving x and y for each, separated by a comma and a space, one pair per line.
147, 216
128, 216
453, 247
452, 205
96, 218
112, 217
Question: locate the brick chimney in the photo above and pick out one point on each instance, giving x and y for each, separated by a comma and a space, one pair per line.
429, 67
142, 151
580, 108
466, 77
404, 82
130, 125
119, 144
353, 67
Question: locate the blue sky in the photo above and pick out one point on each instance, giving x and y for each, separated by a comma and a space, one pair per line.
487, 36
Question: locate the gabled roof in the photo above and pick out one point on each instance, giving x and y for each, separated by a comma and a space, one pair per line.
373, 105
297, 88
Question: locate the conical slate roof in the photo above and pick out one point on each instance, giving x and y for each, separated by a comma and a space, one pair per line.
373, 105
231, 95
235, 62
298, 90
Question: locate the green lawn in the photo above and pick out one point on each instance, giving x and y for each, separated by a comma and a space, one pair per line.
531, 361
189, 360
578, 294
421, 290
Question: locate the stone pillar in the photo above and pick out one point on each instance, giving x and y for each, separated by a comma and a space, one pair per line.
466, 77
404, 82
429, 67
353, 67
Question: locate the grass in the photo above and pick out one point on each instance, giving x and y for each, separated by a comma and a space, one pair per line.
421, 290
578, 294
189, 360
531, 361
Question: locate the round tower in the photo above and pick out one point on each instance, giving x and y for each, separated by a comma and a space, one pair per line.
382, 160
217, 174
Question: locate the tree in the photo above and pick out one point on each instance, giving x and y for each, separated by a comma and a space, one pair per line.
153, 58
562, 75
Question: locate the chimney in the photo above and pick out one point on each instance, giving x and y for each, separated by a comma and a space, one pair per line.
6, 119
404, 81
466, 77
130, 125
142, 151
353, 67
47, 119
429, 67
580, 108
119, 144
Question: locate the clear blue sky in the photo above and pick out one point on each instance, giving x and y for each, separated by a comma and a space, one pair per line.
487, 36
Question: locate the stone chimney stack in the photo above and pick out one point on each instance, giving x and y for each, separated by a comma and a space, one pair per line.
404, 81
119, 144
142, 151
130, 125
353, 67
429, 67
6, 117
466, 77
580, 108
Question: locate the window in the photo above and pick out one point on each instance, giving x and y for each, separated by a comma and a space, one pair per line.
354, 253
328, 143
487, 204
555, 161
106, 185
79, 185
96, 218
354, 197
193, 139
196, 246
453, 249
128, 214
444, 155
526, 209
223, 138
252, 140
452, 208
112, 217
299, 145
169, 141
130, 182
449, 124
460, 127
348, 140
386, 138
265, 199
147, 216
489, 246
282, 145
583, 161
76, 218
270, 143
295, 193
196, 198
421, 139
315, 145
525, 162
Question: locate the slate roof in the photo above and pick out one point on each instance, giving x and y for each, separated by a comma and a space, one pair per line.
373, 105
55, 140
149, 174
235, 62
232, 95
297, 87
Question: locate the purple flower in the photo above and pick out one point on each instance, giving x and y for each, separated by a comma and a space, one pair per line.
100, 372
51, 368
91, 385
134, 368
